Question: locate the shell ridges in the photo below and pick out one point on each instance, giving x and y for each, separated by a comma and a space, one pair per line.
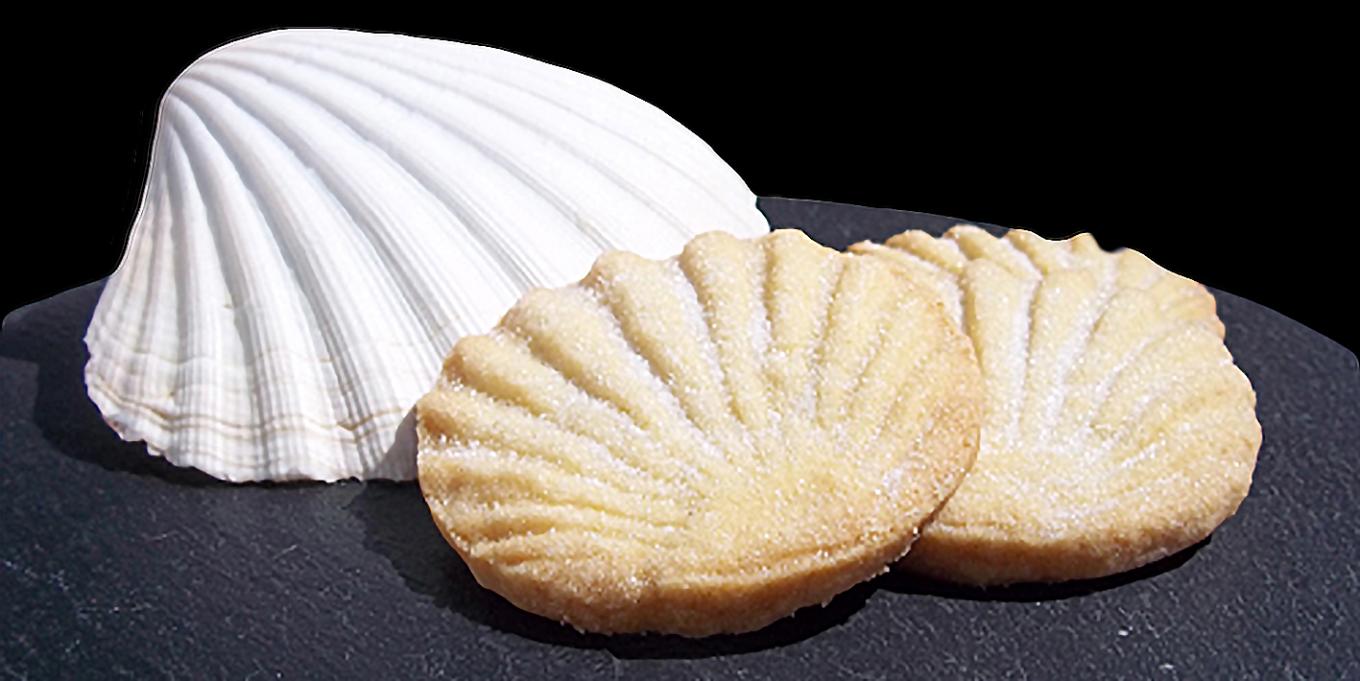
326, 212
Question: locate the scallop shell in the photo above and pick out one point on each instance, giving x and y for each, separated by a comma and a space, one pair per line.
328, 211
1118, 430
703, 444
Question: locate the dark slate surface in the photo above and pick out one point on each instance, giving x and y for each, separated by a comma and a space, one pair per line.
116, 564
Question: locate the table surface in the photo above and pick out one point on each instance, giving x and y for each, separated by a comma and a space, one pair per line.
116, 563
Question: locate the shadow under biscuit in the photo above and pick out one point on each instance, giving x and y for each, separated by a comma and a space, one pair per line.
903, 582
398, 527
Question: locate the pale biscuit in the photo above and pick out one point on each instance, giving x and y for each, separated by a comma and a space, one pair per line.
1117, 429
703, 444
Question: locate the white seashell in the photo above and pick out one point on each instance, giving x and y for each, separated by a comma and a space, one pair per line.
328, 211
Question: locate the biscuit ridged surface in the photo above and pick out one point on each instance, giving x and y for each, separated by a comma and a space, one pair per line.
1118, 429
703, 444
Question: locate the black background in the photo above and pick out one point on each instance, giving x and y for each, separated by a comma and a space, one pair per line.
1197, 142
1212, 144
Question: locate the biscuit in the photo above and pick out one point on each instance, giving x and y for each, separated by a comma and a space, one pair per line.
703, 444
1117, 428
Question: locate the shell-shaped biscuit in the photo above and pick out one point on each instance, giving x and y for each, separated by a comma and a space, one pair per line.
1117, 431
703, 444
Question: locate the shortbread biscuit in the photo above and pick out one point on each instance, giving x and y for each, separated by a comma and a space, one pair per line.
703, 444
1117, 428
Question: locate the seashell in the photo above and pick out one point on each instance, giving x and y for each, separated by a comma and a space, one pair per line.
1118, 430
703, 444
328, 211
